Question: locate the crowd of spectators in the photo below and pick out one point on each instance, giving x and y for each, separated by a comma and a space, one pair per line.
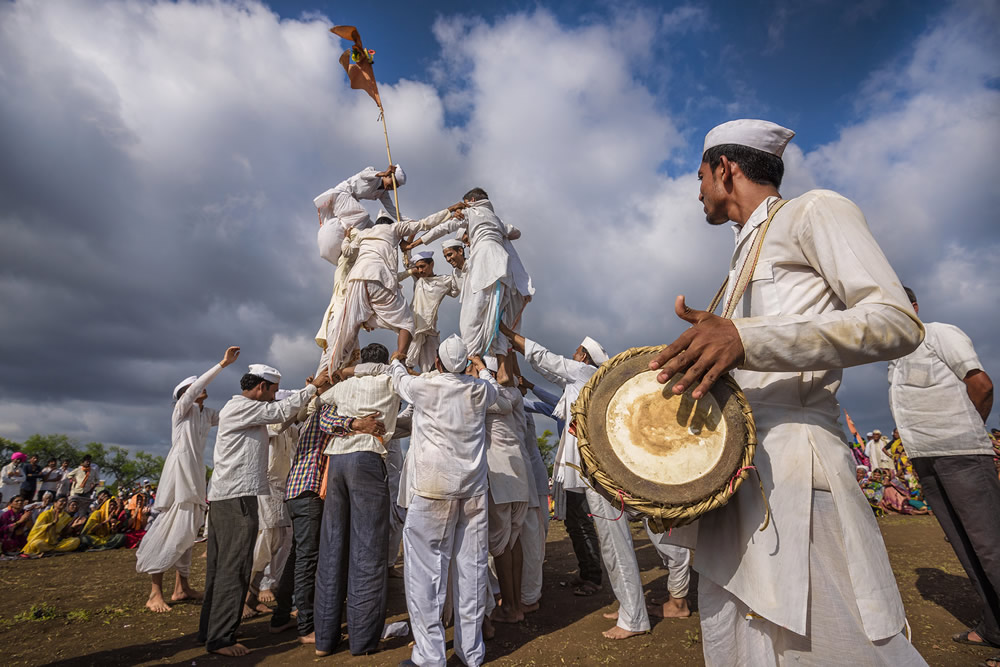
60, 508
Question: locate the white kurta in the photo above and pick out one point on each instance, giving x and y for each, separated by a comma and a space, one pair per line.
373, 295
509, 478
536, 522
180, 496
11, 476
428, 293
823, 296
877, 456
274, 533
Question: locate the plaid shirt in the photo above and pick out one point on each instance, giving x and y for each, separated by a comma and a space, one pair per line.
307, 468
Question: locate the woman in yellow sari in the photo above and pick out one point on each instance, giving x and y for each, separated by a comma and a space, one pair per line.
46, 535
101, 530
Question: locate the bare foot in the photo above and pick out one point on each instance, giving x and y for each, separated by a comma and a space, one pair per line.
266, 596
308, 639
611, 615
620, 633
528, 608
276, 629
488, 630
322, 654
503, 615
203, 555
187, 594
262, 608
157, 603
672, 608
249, 612
234, 651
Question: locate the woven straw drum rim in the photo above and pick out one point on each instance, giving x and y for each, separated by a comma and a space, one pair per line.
662, 516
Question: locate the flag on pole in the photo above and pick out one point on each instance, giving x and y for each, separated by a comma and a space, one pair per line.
357, 62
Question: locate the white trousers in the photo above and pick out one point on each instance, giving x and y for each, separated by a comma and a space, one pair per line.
397, 514
479, 320
505, 523
834, 631
368, 302
423, 351
618, 555
676, 559
439, 534
167, 544
533, 535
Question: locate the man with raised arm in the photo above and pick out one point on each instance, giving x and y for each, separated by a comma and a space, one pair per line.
180, 498
809, 293
240, 475
613, 534
446, 520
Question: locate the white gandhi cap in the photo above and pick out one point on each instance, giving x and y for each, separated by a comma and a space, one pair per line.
453, 353
595, 350
183, 383
452, 243
760, 134
266, 373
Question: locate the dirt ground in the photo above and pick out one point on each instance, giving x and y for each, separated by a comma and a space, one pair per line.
91, 612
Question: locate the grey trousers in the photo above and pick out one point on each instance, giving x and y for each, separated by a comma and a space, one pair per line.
298, 579
233, 524
964, 493
353, 551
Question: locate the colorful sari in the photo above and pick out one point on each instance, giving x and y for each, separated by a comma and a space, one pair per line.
904, 469
890, 496
46, 534
12, 536
134, 522
99, 531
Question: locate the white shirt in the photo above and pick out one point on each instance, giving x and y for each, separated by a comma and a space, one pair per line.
428, 293
348, 213
378, 248
241, 444
508, 471
571, 376
539, 472
11, 476
362, 396
283, 441
876, 456
50, 479
183, 477
929, 400
823, 297
447, 455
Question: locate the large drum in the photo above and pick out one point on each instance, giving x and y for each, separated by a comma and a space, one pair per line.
669, 457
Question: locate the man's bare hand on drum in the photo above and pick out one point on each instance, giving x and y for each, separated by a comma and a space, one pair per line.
706, 351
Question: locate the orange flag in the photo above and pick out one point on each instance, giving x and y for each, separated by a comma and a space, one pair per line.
357, 62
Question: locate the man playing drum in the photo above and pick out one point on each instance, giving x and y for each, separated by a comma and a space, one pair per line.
817, 296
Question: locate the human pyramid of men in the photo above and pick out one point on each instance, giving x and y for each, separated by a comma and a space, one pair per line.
311, 495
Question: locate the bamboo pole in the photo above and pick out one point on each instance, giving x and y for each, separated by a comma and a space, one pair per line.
395, 188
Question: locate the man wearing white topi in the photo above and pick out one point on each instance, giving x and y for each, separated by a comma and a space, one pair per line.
809, 293
180, 497
446, 519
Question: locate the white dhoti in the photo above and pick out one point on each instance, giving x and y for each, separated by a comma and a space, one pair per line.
269, 556
397, 514
167, 544
423, 351
835, 633
618, 555
367, 303
533, 535
677, 560
479, 320
505, 523
440, 534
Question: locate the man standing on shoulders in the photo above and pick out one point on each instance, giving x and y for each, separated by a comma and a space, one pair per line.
240, 476
181, 501
809, 293
940, 398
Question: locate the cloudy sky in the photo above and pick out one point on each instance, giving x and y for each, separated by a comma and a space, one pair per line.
158, 162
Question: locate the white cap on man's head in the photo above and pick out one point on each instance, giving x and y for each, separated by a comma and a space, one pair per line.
453, 353
760, 134
453, 243
423, 255
877, 431
595, 350
266, 373
382, 213
184, 383
869, 434
491, 363
400, 175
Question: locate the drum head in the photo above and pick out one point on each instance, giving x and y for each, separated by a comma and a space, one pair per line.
663, 448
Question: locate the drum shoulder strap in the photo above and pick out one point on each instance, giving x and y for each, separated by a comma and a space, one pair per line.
749, 265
